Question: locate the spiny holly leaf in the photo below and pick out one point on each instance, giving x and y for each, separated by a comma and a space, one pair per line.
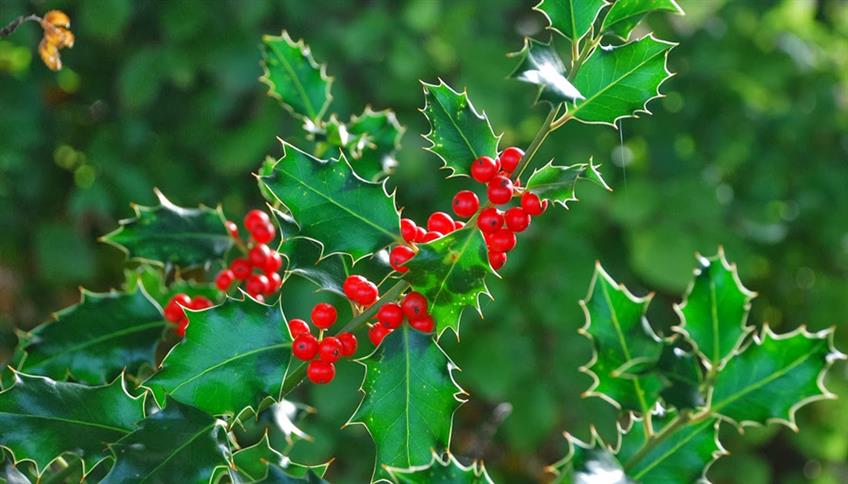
332, 205
152, 278
624, 345
775, 376
167, 234
624, 15
450, 272
684, 456
588, 463
97, 338
294, 78
558, 183
540, 65
458, 133
222, 374
42, 419
252, 463
681, 368
570, 18
374, 140
9, 472
619, 81
177, 444
440, 470
714, 313
409, 400
282, 475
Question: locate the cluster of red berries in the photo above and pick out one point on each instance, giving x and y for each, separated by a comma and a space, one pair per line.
322, 352
175, 309
390, 316
260, 258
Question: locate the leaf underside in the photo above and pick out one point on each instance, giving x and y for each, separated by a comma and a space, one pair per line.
294, 78
541, 65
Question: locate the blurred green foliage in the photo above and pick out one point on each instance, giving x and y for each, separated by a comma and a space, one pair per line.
749, 149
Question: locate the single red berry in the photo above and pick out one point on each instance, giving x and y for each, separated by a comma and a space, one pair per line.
465, 203
181, 328
259, 298
224, 280
484, 169
305, 347
255, 218
424, 324
398, 257
517, 219
420, 234
497, 259
324, 315
531, 204
275, 282
431, 236
377, 332
490, 220
258, 255
320, 372
408, 229
232, 229
241, 268
199, 302
510, 158
273, 263
174, 309
391, 315
263, 233
499, 190
256, 284
349, 344
440, 222
502, 241
366, 293
298, 327
414, 305
330, 349
351, 284
458, 225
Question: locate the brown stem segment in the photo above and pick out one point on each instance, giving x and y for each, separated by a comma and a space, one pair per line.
14, 24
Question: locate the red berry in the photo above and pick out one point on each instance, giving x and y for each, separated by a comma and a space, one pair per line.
465, 203
490, 220
431, 236
377, 332
517, 219
199, 302
366, 293
420, 234
320, 372
181, 328
349, 344
408, 229
224, 280
351, 284
499, 190
510, 158
324, 315
255, 218
458, 225
298, 327
414, 305
256, 284
258, 255
305, 347
484, 169
232, 229
440, 222
330, 349
263, 233
241, 268
273, 263
174, 309
424, 324
391, 315
398, 257
531, 204
497, 259
275, 282
502, 241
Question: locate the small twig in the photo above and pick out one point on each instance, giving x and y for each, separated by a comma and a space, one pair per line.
14, 24
543, 133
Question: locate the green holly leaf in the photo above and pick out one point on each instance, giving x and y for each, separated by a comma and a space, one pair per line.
252, 463
458, 133
294, 78
9, 471
624, 15
588, 463
374, 140
540, 65
42, 419
177, 444
96, 339
775, 376
152, 278
625, 345
714, 312
282, 475
167, 234
451, 272
442, 470
680, 367
332, 205
559, 183
619, 81
409, 400
220, 374
684, 456
570, 18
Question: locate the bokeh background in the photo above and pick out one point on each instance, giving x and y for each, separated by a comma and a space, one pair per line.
749, 150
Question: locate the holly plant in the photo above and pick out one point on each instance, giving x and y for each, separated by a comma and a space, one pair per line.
182, 373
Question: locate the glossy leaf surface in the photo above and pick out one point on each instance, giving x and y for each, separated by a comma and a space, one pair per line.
293, 77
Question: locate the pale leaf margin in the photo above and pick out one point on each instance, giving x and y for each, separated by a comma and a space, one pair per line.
476, 467
551, 27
